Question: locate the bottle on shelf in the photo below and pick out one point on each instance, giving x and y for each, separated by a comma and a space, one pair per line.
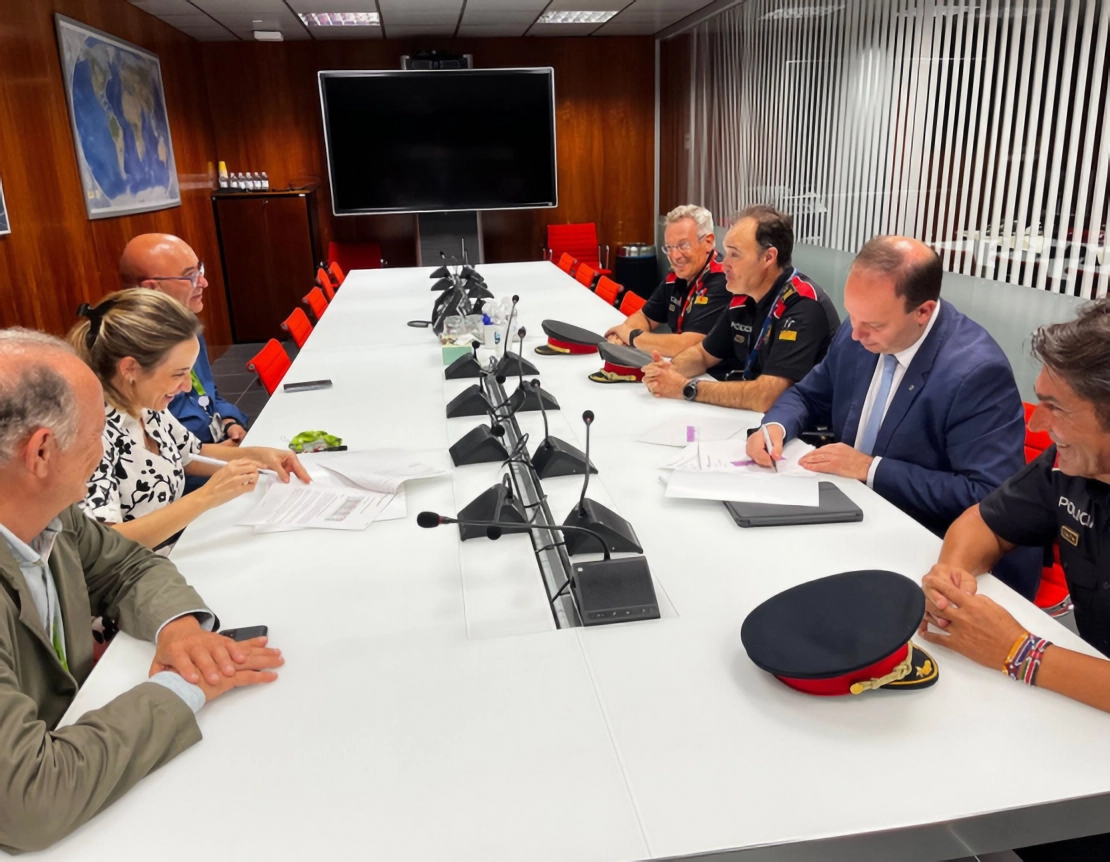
223, 176
265, 182
235, 182
256, 181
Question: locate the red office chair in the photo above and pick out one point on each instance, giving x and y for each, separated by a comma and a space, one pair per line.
317, 302
337, 274
356, 255
585, 275
578, 240
270, 364
566, 263
1053, 596
607, 289
298, 325
323, 281
632, 303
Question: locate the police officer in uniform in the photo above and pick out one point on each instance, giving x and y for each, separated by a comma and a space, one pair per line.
1062, 497
692, 297
777, 327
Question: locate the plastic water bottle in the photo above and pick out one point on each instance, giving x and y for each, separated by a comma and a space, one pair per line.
265, 182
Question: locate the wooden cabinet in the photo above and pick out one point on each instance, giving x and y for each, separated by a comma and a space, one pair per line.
269, 249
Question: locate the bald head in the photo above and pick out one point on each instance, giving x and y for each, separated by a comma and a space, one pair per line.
913, 267
165, 263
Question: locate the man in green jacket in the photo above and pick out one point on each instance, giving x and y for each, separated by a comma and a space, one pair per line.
59, 569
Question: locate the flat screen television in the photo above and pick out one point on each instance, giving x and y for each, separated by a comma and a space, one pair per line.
439, 141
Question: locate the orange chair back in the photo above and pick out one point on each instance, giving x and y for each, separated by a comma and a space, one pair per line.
1035, 441
585, 274
317, 302
270, 364
298, 325
608, 289
323, 281
578, 240
337, 274
356, 255
632, 303
566, 263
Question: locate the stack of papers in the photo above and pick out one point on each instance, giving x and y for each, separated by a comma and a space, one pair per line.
722, 470
349, 491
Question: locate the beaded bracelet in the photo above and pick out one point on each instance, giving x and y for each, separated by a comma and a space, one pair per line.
1024, 659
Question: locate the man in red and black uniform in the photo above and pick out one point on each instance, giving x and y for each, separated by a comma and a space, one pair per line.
777, 327
692, 297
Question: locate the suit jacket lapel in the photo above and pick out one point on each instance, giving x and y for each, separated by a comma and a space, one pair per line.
914, 380
12, 577
863, 372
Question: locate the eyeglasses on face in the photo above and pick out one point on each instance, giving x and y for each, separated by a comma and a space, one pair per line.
193, 278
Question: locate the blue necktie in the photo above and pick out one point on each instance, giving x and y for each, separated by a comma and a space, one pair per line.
866, 441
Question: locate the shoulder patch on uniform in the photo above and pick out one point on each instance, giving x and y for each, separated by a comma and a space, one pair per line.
788, 335
803, 288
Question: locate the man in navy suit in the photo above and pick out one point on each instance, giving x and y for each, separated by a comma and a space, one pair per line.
921, 399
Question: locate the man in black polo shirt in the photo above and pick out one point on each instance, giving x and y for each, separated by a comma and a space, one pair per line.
690, 299
1062, 497
777, 327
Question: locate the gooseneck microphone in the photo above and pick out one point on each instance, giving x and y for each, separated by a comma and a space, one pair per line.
520, 365
509, 324
494, 528
588, 418
543, 411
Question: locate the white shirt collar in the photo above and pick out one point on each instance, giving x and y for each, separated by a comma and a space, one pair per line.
40, 547
905, 357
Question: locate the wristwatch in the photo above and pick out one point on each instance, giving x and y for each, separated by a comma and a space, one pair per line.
633, 335
690, 390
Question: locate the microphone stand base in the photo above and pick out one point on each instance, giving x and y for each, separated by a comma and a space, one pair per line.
477, 446
470, 402
463, 367
531, 400
493, 504
614, 591
511, 365
555, 457
618, 534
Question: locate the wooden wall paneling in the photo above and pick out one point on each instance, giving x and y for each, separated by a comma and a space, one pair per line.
675, 87
266, 116
55, 258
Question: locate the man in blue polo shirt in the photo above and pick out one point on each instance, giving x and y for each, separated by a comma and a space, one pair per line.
164, 262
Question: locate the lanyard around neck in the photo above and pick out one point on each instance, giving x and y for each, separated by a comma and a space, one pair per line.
765, 331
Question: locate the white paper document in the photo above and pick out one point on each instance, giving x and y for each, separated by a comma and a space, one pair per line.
722, 470
296, 506
683, 430
383, 470
728, 456
741, 487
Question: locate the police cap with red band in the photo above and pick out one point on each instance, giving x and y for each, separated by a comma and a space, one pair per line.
565, 338
844, 634
622, 364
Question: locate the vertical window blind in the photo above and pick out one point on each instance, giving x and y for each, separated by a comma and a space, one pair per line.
977, 126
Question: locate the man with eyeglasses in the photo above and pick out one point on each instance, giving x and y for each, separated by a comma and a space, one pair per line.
777, 327
164, 262
691, 298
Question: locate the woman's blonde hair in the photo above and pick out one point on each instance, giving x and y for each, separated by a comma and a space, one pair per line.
141, 323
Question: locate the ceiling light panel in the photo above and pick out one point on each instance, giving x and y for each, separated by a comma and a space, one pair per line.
341, 19
567, 16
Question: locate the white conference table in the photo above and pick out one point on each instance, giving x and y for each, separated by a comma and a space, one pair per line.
429, 709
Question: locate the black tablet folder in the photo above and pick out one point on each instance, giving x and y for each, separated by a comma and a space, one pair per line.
835, 508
